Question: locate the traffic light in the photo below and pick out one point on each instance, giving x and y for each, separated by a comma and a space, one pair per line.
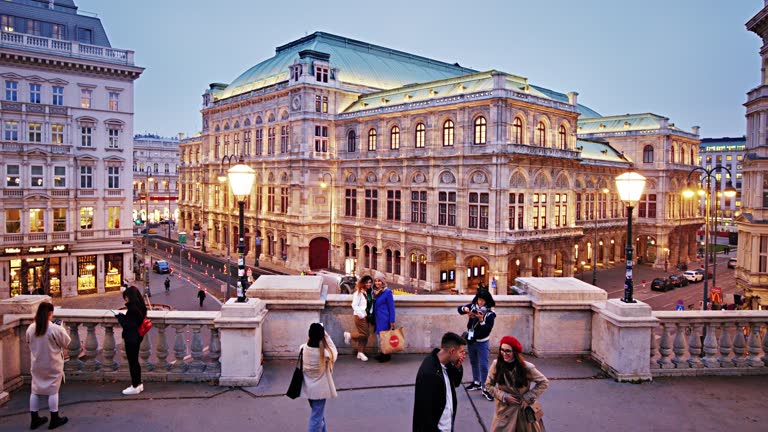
138, 221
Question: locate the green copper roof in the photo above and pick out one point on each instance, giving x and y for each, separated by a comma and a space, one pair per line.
599, 150
560, 97
621, 123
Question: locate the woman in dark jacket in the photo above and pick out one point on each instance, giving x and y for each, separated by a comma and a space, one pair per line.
479, 326
131, 321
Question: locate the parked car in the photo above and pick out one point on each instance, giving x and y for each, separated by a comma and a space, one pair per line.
678, 281
683, 280
161, 267
701, 272
693, 276
660, 284
732, 263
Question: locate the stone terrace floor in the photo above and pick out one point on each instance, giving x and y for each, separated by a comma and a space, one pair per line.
379, 397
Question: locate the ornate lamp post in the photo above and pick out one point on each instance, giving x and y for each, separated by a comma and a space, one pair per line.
325, 185
630, 186
144, 253
241, 178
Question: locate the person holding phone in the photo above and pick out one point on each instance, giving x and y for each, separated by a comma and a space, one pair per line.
478, 335
434, 406
131, 321
47, 342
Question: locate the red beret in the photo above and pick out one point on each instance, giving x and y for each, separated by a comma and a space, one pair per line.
513, 342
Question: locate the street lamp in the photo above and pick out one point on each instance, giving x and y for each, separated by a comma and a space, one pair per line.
706, 177
241, 178
144, 253
325, 185
223, 179
605, 191
630, 186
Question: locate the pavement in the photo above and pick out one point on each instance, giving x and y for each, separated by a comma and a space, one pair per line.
379, 397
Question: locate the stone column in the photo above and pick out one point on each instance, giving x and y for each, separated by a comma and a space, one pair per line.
461, 278
240, 325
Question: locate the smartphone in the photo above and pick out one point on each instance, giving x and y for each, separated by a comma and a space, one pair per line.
113, 312
57, 322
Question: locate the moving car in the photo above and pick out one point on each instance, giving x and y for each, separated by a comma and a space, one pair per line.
161, 267
660, 284
732, 263
693, 276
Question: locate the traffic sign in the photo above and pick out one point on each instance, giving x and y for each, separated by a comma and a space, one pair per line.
183, 247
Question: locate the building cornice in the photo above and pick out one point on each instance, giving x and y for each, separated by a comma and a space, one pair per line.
75, 65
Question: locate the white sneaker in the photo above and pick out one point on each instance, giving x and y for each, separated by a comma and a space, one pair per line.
133, 390
347, 338
362, 357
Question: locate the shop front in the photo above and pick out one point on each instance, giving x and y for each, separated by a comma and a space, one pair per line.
33, 273
86, 274
114, 274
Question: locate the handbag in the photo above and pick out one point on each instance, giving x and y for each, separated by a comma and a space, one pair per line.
294, 389
534, 412
145, 326
392, 341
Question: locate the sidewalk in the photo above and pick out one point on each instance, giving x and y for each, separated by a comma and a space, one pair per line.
379, 397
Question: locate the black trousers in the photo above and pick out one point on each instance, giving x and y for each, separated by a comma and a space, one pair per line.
132, 352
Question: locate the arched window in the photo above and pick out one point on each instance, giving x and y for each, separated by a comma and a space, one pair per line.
412, 273
648, 154
394, 138
541, 134
421, 134
517, 131
690, 160
397, 259
480, 127
367, 256
372, 140
682, 154
351, 142
448, 133
672, 154
423, 267
561, 136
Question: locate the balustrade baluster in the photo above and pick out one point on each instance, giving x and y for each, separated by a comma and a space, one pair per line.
179, 349
739, 347
754, 346
725, 347
161, 352
197, 364
91, 348
145, 350
679, 347
710, 347
694, 347
214, 352
73, 364
654, 350
665, 348
765, 345
108, 349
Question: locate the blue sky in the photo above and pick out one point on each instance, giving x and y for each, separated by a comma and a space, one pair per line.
691, 61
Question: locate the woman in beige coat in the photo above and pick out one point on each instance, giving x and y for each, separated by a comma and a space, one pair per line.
509, 382
47, 342
319, 354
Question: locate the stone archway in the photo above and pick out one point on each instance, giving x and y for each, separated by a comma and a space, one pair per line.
558, 263
513, 269
537, 266
445, 263
477, 272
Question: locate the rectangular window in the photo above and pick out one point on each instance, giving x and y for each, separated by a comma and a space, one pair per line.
86, 177
35, 93
57, 96
11, 131
114, 138
321, 139
114, 99
763, 256
516, 211
271, 199
59, 176
33, 27
393, 205
284, 138
478, 210
325, 104
36, 220
446, 208
36, 177
85, 98
321, 74
113, 178
86, 136
59, 219
12, 178
57, 133
371, 204
86, 218
12, 221
350, 202
113, 217
58, 31
284, 200
8, 23
419, 207
270, 141
259, 143
11, 91
35, 132
84, 35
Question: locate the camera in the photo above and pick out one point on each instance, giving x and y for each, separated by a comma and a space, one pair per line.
478, 309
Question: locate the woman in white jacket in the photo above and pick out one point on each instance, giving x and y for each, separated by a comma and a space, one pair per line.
362, 301
319, 355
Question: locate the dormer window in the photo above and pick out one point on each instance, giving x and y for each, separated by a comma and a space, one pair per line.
296, 72
321, 73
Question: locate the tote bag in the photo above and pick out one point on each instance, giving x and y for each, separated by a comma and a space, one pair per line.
392, 341
294, 389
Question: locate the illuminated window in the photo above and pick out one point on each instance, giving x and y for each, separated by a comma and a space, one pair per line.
35, 132
562, 137
448, 133
86, 218
59, 176
57, 133
36, 178
372, 140
12, 221
11, 131
394, 138
85, 98
59, 219
36, 220
541, 134
517, 131
421, 132
113, 217
114, 99
480, 129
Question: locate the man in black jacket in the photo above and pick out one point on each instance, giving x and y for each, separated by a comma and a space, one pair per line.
434, 407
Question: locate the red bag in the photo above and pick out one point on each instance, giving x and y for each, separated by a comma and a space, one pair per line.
145, 326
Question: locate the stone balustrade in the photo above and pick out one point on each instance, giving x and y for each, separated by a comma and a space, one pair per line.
710, 343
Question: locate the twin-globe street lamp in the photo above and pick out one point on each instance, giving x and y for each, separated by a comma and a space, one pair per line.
241, 178
630, 186
688, 192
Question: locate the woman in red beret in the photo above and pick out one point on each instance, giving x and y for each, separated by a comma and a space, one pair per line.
514, 384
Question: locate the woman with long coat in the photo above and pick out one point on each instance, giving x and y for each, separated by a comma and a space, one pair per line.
318, 356
383, 310
131, 321
509, 382
47, 342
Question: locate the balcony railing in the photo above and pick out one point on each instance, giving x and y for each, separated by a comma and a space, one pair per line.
65, 48
18, 147
34, 108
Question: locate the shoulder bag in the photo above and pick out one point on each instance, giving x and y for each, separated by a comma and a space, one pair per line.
294, 389
145, 327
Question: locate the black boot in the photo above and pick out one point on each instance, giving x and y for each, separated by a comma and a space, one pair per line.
37, 421
56, 421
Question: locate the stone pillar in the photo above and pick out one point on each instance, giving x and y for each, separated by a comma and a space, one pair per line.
620, 339
461, 278
240, 325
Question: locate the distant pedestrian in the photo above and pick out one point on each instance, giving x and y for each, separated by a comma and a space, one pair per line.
479, 326
47, 342
131, 321
362, 300
319, 354
167, 284
509, 381
434, 405
201, 296
383, 310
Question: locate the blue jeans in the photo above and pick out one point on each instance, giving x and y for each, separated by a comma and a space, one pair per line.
478, 358
317, 418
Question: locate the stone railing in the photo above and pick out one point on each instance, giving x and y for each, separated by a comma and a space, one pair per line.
65, 47
710, 343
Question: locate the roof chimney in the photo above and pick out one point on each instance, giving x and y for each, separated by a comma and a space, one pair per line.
573, 96
181, 136
695, 129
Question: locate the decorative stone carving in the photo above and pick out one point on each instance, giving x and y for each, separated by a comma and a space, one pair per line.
371, 178
394, 178
351, 178
479, 178
518, 181
562, 182
419, 178
541, 181
447, 178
